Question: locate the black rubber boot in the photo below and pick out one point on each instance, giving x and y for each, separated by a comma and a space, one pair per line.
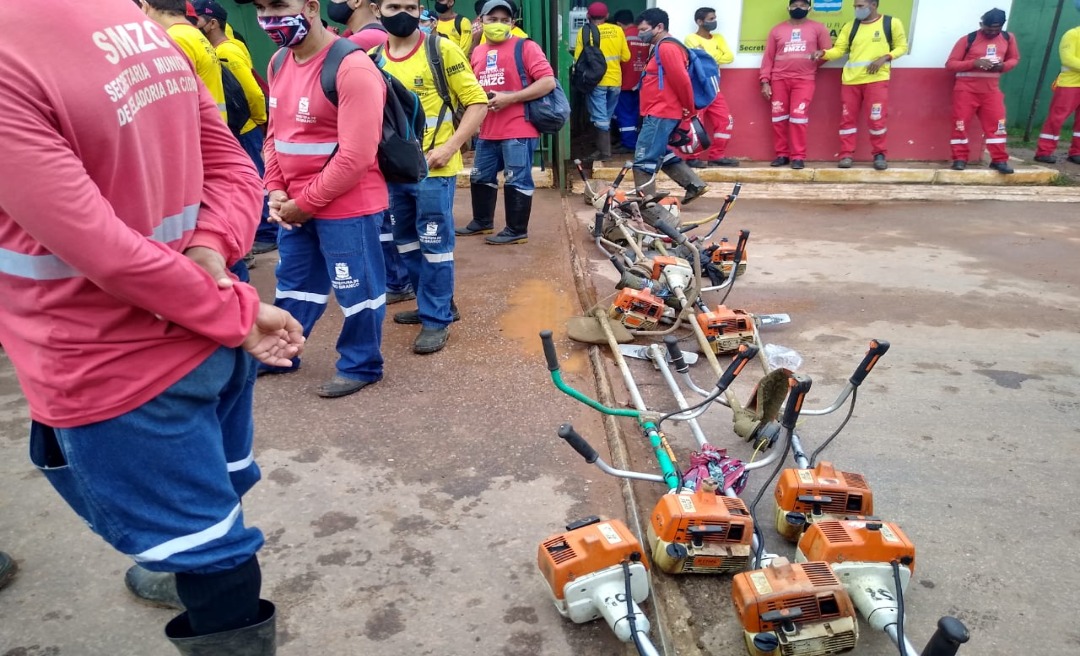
484, 198
681, 173
258, 639
603, 144
518, 208
645, 182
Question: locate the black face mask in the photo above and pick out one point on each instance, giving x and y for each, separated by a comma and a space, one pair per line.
339, 12
799, 14
401, 24
441, 7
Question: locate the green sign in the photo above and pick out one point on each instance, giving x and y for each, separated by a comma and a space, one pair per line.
758, 19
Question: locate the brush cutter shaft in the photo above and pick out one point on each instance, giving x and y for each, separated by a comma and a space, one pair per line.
657, 357
909, 649
586, 451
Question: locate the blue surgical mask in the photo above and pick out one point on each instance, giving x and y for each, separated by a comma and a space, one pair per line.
426, 29
862, 13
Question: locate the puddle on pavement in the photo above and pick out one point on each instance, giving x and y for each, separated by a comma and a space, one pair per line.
537, 305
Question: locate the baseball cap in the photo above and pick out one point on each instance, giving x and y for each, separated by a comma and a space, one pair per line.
598, 10
492, 5
210, 9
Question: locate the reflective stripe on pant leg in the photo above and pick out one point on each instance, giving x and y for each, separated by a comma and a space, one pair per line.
851, 97
153, 482
720, 123
397, 275
991, 112
1061, 106
877, 98
303, 288
435, 236
781, 91
357, 273
801, 96
965, 106
627, 116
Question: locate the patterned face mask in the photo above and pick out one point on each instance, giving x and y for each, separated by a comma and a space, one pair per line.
286, 31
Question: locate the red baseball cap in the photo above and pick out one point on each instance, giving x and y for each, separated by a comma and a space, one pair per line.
598, 10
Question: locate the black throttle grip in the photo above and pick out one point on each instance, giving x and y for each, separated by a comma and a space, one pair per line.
671, 233
574, 439
740, 246
878, 348
745, 354
798, 387
946, 641
598, 226
549, 350
675, 354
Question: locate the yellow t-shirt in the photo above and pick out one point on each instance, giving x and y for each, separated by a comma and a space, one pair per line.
1070, 59
462, 38
517, 31
203, 59
715, 46
235, 55
616, 51
870, 44
415, 73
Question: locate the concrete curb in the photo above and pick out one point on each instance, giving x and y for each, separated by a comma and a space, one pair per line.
1033, 175
876, 192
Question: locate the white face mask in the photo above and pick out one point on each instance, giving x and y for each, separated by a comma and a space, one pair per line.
863, 13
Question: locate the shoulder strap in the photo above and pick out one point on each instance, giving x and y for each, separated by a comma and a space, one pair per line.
970, 42
279, 60
519, 57
341, 49
854, 30
373, 26
888, 31
438, 71
457, 23
593, 34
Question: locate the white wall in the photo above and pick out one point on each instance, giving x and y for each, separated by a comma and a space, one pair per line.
938, 24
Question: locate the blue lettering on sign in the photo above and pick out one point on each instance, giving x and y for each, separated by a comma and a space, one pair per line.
828, 5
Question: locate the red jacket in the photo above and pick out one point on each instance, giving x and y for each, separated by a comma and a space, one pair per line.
639, 56
112, 168
969, 77
677, 93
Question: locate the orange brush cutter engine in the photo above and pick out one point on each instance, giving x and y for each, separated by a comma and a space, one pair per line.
806, 496
724, 257
637, 309
701, 533
586, 569
867, 556
788, 609
726, 329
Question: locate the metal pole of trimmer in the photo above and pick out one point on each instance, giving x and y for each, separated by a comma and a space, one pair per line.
647, 422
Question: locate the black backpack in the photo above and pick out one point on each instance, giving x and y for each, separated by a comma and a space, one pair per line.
971, 41
591, 65
237, 111
401, 156
888, 31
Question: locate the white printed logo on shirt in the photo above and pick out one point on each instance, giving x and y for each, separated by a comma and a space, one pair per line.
991, 50
273, 102
304, 105
796, 35
341, 271
492, 59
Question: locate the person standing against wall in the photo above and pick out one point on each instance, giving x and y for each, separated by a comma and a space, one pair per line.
717, 117
662, 112
628, 109
979, 59
604, 98
1066, 101
453, 25
873, 41
789, 78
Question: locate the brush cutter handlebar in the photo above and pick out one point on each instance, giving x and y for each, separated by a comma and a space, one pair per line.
574, 439
946, 641
675, 354
878, 348
745, 354
549, 350
798, 387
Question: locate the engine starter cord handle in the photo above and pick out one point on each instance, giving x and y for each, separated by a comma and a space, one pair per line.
549, 350
878, 348
798, 387
744, 355
946, 641
675, 354
574, 439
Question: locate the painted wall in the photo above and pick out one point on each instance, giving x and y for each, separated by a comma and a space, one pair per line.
1032, 29
920, 92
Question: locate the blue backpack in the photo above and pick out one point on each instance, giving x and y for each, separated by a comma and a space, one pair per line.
704, 73
548, 114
